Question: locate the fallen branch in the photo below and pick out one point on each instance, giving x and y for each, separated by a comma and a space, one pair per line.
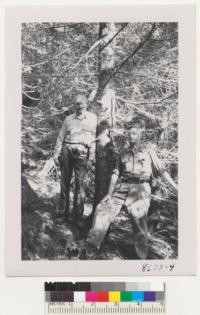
161, 198
32, 87
48, 169
32, 98
27, 108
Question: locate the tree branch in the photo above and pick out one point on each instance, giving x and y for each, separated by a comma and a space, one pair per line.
83, 57
46, 61
148, 102
32, 98
140, 45
119, 31
148, 115
87, 53
97, 43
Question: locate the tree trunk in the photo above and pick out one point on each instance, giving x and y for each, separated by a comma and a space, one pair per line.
106, 110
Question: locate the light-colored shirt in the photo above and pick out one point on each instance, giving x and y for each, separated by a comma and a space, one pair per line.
80, 130
140, 164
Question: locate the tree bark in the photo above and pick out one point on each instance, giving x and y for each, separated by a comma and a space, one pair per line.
106, 110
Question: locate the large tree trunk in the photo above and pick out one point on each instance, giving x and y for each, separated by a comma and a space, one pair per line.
106, 115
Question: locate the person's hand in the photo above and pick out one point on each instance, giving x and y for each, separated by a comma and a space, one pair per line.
56, 159
89, 164
106, 199
85, 142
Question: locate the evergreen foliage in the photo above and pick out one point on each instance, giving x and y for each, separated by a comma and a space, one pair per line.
59, 59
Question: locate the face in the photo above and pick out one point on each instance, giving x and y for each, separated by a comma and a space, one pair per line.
133, 135
80, 104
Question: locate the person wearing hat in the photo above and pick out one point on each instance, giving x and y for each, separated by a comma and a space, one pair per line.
130, 187
75, 151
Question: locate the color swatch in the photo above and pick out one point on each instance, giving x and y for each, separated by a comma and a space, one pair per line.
104, 292
104, 286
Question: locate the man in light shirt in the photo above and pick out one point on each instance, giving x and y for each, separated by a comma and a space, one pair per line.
75, 151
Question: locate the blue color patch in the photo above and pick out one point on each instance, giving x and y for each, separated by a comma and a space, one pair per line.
150, 296
138, 296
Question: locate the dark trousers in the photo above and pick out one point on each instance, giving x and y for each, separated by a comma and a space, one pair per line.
73, 160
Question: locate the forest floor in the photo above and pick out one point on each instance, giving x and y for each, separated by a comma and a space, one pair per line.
45, 236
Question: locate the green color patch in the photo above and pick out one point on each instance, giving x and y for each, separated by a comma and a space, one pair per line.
126, 296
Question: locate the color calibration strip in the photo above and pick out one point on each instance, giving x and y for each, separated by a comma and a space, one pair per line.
109, 296
104, 286
104, 292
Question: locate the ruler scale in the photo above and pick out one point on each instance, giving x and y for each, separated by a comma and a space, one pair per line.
104, 298
78, 308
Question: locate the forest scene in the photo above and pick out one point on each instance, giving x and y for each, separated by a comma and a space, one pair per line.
129, 72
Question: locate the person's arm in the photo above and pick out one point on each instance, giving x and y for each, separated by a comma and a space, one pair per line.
59, 142
112, 185
92, 148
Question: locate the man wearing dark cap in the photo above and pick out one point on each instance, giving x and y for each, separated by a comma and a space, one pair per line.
75, 151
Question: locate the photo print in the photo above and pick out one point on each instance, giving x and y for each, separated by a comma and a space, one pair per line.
99, 141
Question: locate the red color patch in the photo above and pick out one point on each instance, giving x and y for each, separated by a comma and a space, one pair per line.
102, 296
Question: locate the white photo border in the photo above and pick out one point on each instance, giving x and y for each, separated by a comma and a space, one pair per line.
184, 14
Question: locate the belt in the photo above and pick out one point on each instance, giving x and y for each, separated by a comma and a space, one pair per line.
134, 180
77, 150
76, 143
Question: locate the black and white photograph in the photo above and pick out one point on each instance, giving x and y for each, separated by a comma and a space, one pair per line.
99, 141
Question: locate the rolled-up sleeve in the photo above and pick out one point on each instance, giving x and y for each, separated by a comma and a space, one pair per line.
60, 138
92, 140
92, 151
